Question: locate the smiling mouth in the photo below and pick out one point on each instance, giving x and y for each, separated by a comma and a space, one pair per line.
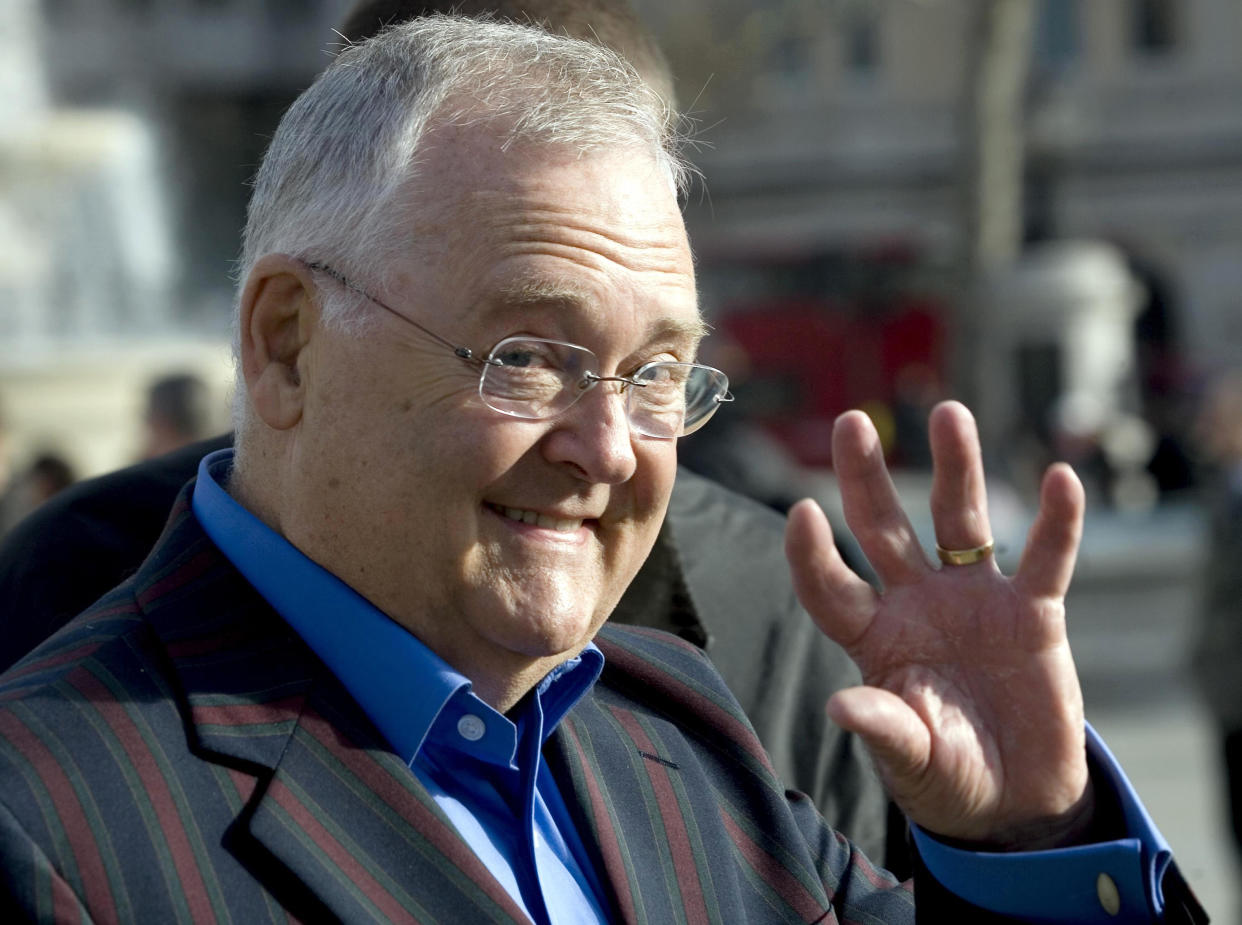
536, 519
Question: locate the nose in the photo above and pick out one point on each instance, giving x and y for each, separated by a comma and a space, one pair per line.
592, 437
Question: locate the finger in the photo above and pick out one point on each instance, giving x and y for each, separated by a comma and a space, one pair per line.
872, 508
1052, 543
841, 603
959, 501
898, 739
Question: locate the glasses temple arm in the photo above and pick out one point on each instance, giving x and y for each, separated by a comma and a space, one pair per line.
464, 353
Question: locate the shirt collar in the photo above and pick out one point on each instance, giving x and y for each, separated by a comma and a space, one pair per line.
400, 683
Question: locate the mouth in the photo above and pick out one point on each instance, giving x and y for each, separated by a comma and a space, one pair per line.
535, 519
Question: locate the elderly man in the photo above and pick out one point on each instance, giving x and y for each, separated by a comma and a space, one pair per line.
363, 673
716, 575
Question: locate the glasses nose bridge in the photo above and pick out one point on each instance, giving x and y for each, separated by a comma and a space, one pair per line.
589, 380
625, 386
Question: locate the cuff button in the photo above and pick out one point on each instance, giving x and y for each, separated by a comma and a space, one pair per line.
1106, 890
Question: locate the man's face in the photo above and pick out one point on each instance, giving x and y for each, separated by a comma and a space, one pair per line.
421, 497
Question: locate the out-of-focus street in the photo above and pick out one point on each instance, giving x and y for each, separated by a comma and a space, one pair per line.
1169, 749
1132, 615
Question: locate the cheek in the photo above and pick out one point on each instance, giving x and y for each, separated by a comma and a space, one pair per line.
650, 489
455, 459
659, 459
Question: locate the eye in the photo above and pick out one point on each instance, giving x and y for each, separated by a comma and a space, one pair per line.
526, 355
663, 368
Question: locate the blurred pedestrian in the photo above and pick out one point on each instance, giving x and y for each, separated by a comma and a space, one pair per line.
47, 475
1218, 651
178, 413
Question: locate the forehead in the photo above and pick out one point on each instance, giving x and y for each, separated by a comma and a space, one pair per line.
540, 230
536, 300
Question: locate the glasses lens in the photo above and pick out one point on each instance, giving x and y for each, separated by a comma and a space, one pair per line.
533, 378
675, 398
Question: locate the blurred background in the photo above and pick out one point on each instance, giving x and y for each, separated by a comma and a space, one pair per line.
1030, 205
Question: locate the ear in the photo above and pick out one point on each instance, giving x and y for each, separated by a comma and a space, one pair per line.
279, 313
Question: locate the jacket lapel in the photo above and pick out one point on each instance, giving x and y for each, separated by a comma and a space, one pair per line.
323, 808
349, 820
621, 772
674, 819
570, 754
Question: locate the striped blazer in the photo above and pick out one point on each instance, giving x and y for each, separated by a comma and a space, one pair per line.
177, 754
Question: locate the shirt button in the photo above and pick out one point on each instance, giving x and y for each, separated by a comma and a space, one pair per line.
471, 727
1110, 898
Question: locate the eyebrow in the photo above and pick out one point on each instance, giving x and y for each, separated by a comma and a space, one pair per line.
549, 293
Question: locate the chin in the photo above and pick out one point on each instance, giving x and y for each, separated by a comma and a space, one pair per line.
541, 625
545, 636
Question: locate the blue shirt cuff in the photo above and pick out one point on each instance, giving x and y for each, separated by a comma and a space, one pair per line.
1069, 884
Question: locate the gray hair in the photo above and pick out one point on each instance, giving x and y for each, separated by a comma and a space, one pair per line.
329, 184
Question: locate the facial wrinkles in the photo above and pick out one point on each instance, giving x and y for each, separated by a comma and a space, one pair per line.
538, 301
603, 271
575, 236
441, 379
639, 238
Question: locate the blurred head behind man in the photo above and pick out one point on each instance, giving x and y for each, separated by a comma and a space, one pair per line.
178, 412
611, 23
510, 182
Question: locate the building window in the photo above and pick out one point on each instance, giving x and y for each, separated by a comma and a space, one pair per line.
862, 43
56, 10
1154, 25
790, 61
303, 9
1058, 35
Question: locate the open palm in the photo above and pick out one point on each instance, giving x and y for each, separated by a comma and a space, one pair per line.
971, 704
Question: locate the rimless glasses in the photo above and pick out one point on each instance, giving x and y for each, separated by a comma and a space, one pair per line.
536, 379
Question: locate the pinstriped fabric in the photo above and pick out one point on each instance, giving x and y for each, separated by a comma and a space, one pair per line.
72, 644
178, 755
571, 751
668, 807
163, 765
138, 812
701, 826
156, 791
359, 816
781, 887
72, 817
697, 696
54, 899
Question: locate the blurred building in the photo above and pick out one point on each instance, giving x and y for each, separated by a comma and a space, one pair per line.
832, 133
129, 130
831, 148
211, 78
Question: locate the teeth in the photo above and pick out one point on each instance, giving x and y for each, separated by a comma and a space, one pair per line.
542, 520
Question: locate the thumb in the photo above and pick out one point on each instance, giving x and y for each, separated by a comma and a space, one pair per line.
895, 735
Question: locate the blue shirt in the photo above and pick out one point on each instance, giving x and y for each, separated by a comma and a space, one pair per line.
485, 771
483, 768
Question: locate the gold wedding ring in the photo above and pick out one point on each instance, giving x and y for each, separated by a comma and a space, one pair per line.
964, 556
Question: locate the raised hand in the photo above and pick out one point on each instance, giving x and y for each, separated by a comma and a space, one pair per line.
972, 707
